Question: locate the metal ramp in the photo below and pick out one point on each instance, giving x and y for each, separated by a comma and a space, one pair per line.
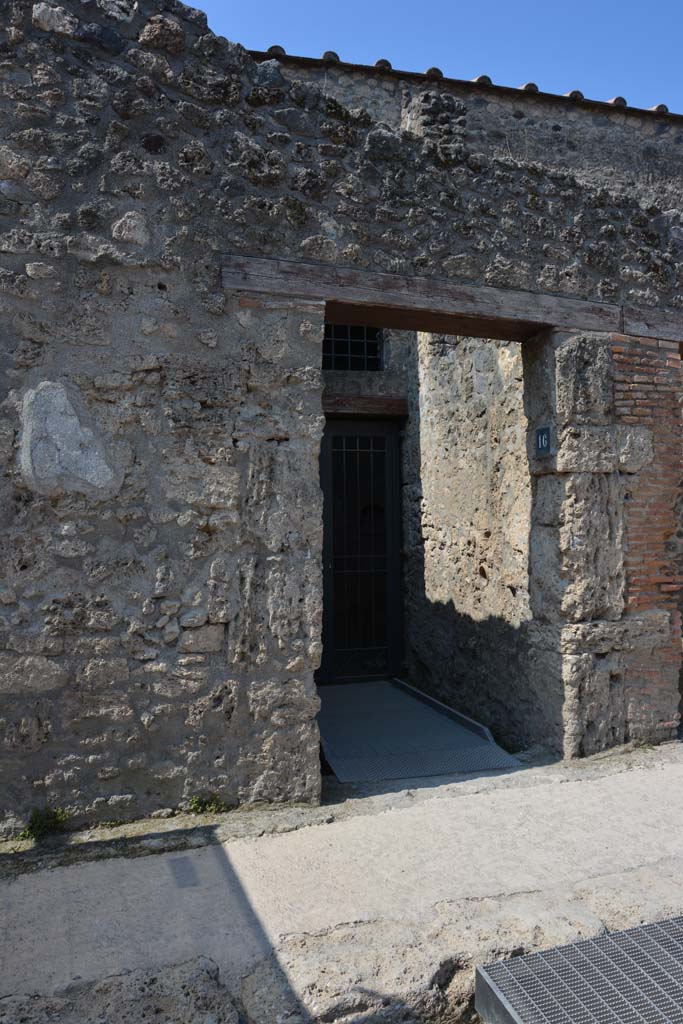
378, 731
629, 977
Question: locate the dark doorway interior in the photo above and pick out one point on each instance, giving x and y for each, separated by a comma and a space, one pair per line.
362, 607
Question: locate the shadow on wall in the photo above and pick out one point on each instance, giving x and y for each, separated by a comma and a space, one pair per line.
165, 914
467, 495
493, 672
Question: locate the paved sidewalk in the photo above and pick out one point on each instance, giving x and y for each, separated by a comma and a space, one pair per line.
383, 911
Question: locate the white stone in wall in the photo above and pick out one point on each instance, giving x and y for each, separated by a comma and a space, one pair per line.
205, 640
54, 19
39, 271
634, 448
32, 674
120, 10
12, 166
59, 451
131, 228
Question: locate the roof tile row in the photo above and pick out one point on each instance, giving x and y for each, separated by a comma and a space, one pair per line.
330, 57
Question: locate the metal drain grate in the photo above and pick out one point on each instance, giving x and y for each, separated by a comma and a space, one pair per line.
630, 977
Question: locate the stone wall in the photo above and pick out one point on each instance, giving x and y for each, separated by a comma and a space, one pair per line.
603, 504
130, 126
459, 180
161, 512
160, 618
468, 516
542, 594
597, 143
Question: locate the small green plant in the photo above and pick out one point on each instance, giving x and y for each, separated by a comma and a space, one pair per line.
209, 804
44, 821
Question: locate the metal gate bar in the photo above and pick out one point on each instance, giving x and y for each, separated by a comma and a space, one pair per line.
362, 633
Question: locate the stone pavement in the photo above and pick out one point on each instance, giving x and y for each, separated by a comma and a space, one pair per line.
375, 907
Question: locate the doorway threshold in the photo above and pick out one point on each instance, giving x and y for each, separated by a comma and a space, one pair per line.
376, 731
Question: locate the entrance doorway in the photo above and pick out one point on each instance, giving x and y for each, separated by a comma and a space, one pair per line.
362, 605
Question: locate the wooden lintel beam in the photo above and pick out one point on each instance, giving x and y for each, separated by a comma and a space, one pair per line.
365, 405
432, 322
652, 322
442, 306
421, 303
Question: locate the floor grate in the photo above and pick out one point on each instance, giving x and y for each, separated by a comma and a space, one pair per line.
629, 977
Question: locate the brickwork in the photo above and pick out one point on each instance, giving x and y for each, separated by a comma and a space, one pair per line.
647, 393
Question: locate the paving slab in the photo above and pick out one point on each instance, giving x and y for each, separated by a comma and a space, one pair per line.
382, 911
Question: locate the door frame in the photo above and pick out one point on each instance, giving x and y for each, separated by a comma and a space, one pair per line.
391, 428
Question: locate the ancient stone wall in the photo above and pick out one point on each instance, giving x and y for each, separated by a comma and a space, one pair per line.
143, 129
161, 511
467, 182
161, 540
542, 594
467, 541
602, 582
599, 143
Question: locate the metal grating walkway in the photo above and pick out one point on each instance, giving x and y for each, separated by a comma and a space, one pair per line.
379, 731
629, 977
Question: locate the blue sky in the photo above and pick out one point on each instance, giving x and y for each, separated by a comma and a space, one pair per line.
602, 47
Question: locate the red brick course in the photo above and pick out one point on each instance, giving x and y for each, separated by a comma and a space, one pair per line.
647, 392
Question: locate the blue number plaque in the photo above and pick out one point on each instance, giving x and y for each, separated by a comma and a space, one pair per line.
543, 441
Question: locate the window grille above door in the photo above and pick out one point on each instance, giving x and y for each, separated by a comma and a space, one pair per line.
346, 347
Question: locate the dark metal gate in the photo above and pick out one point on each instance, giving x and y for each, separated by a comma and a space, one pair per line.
359, 469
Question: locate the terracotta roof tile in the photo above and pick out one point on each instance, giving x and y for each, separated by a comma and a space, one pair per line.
384, 67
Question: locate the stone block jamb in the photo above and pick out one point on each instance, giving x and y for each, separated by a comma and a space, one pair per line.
604, 446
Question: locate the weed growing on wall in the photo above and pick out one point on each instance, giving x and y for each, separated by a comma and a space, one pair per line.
44, 821
207, 805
